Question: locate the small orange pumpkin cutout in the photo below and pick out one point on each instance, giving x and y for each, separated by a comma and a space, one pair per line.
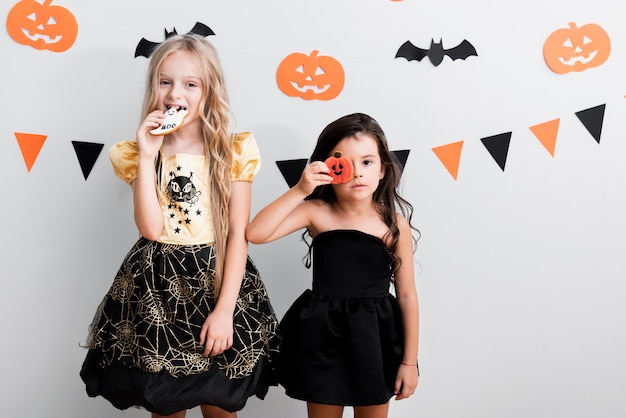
576, 48
42, 26
340, 167
310, 76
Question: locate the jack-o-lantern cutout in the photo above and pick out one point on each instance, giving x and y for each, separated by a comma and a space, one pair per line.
42, 26
576, 48
310, 76
340, 167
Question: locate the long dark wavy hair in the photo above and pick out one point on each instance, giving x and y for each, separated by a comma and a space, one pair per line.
386, 197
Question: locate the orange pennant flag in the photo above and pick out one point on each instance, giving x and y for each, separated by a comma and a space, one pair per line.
450, 156
546, 134
30, 145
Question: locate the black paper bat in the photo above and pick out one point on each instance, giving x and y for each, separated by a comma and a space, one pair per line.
146, 47
436, 52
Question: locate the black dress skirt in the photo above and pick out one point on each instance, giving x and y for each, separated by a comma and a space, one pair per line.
343, 340
144, 341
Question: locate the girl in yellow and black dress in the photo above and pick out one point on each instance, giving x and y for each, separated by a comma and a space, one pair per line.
187, 320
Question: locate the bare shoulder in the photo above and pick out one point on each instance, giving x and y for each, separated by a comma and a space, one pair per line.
319, 214
315, 205
308, 211
407, 231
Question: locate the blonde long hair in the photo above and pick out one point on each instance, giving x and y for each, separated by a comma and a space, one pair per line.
216, 129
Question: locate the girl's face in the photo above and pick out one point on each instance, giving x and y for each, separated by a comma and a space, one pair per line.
362, 150
180, 85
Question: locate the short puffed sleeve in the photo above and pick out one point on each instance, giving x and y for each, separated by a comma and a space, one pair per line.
246, 158
124, 156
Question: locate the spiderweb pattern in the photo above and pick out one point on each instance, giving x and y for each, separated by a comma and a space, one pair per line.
152, 315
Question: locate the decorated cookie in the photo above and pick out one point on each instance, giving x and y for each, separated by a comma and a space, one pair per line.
340, 168
173, 120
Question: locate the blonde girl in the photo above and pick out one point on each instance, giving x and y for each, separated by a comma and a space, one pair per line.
187, 321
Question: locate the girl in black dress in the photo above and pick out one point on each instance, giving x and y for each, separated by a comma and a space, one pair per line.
348, 340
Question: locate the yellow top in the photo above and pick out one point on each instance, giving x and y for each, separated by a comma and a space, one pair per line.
183, 186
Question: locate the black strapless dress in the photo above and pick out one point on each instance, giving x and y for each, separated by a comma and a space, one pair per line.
343, 340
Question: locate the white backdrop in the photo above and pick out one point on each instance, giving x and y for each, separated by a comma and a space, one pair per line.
521, 272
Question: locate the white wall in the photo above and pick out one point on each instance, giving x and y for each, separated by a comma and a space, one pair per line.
522, 271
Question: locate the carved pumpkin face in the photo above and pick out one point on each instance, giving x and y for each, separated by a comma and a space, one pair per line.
576, 48
310, 76
341, 168
42, 26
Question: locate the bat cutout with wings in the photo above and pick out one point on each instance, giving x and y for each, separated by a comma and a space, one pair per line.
145, 48
436, 52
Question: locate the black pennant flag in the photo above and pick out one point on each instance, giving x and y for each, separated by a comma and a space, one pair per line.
87, 153
498, 147
402, 156
292, 170
592, 119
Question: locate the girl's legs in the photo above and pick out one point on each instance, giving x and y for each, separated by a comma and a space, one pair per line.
210, 411
374, 411
320, 410
180, 414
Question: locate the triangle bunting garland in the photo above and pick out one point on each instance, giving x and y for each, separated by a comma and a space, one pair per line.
292, 170
450, 156
401, 156
498, 147
546, 134
592, 119
87, 154
30, 145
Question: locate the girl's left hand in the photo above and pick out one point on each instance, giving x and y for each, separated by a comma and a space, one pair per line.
406, 381
216, 334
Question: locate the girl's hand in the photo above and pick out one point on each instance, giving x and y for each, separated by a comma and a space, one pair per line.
216, 334
314, 174
149, 144
406, 381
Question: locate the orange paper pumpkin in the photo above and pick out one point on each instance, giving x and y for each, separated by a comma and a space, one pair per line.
42, 26
576, 48
340, 168
310, 76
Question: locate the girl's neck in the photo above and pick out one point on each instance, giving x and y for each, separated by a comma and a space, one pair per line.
183, 142
355, 208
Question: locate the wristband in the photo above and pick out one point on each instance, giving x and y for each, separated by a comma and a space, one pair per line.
412, 365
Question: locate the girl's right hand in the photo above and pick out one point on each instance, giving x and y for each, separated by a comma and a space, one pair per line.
406, 381
149, 145
314, 174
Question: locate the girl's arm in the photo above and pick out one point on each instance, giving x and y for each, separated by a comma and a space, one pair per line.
217, 331
147, 210
148, 215
407, 377
288, 213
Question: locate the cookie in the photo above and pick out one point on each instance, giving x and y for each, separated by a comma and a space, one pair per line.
174, 118
341, 168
